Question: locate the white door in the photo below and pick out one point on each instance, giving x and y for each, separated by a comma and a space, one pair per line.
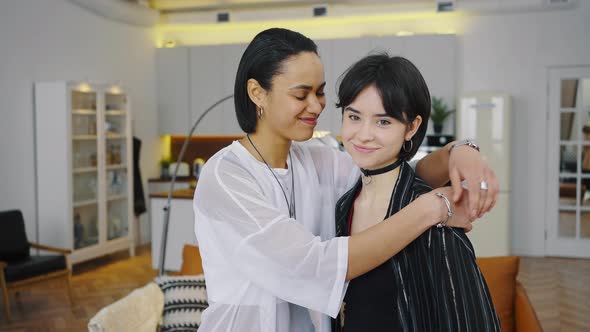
568, 156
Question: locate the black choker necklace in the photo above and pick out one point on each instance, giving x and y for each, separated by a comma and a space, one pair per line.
367, 173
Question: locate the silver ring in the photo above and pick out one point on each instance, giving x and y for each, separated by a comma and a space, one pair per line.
483, 185
464, 184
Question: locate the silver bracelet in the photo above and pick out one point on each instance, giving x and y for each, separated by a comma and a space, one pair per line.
449, 210
468, 142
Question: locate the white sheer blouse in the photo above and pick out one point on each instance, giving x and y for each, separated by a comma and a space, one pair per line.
264, 270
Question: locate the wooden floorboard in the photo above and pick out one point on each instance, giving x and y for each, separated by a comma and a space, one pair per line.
559, 289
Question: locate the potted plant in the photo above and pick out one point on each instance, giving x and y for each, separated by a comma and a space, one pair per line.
164, 167
440, 112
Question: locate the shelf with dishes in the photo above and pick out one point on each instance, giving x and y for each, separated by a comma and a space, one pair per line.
116, 197
116, 184
84, 137
115, 155
82, 111
85, 226
115, 113
85, 202
115, 125
117, 166
81, 170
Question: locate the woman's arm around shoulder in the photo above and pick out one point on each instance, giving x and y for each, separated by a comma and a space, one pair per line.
462, 165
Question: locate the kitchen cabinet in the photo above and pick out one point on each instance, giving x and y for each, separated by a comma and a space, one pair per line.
181, 228
172, 74
212, 75
193, 78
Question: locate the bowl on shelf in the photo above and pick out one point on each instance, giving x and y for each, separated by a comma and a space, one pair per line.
183, 169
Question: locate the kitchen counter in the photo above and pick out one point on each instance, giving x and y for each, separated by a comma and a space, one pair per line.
168, 179
159, 187
183, 193
181, 228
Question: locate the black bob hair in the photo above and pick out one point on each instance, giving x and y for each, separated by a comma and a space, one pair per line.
262, 60
402, 88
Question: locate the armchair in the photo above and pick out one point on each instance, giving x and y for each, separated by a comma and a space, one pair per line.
512, 304
18, 269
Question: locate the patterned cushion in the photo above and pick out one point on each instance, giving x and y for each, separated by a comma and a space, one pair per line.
185, 298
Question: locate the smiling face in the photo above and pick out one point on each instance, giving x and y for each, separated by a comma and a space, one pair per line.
292, 105
372, 137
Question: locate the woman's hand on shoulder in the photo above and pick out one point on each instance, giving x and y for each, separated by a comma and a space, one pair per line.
468, 171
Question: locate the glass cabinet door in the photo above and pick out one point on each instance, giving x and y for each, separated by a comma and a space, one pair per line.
117, 203
117, 165
85, 167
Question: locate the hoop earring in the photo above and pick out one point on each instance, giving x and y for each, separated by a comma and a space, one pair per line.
406, 150
260, 113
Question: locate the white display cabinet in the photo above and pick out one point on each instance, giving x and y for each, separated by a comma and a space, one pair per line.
84, 168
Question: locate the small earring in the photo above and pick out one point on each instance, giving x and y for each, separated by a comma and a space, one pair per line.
260, 113
408, 149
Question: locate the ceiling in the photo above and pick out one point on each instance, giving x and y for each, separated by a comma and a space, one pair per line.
201, 5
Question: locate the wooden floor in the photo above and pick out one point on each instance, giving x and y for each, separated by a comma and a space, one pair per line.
94, 285
558, 288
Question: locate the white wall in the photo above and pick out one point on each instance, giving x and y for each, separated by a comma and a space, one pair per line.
507, 50
57, 40
511, 53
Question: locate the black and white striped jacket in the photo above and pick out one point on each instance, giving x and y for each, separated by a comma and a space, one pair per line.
438, 285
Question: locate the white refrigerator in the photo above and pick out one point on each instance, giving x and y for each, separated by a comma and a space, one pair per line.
486, 118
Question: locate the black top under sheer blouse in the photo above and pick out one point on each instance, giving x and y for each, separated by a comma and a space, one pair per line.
434, 284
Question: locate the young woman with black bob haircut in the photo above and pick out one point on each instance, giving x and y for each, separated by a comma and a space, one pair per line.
434, 283
264, 206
